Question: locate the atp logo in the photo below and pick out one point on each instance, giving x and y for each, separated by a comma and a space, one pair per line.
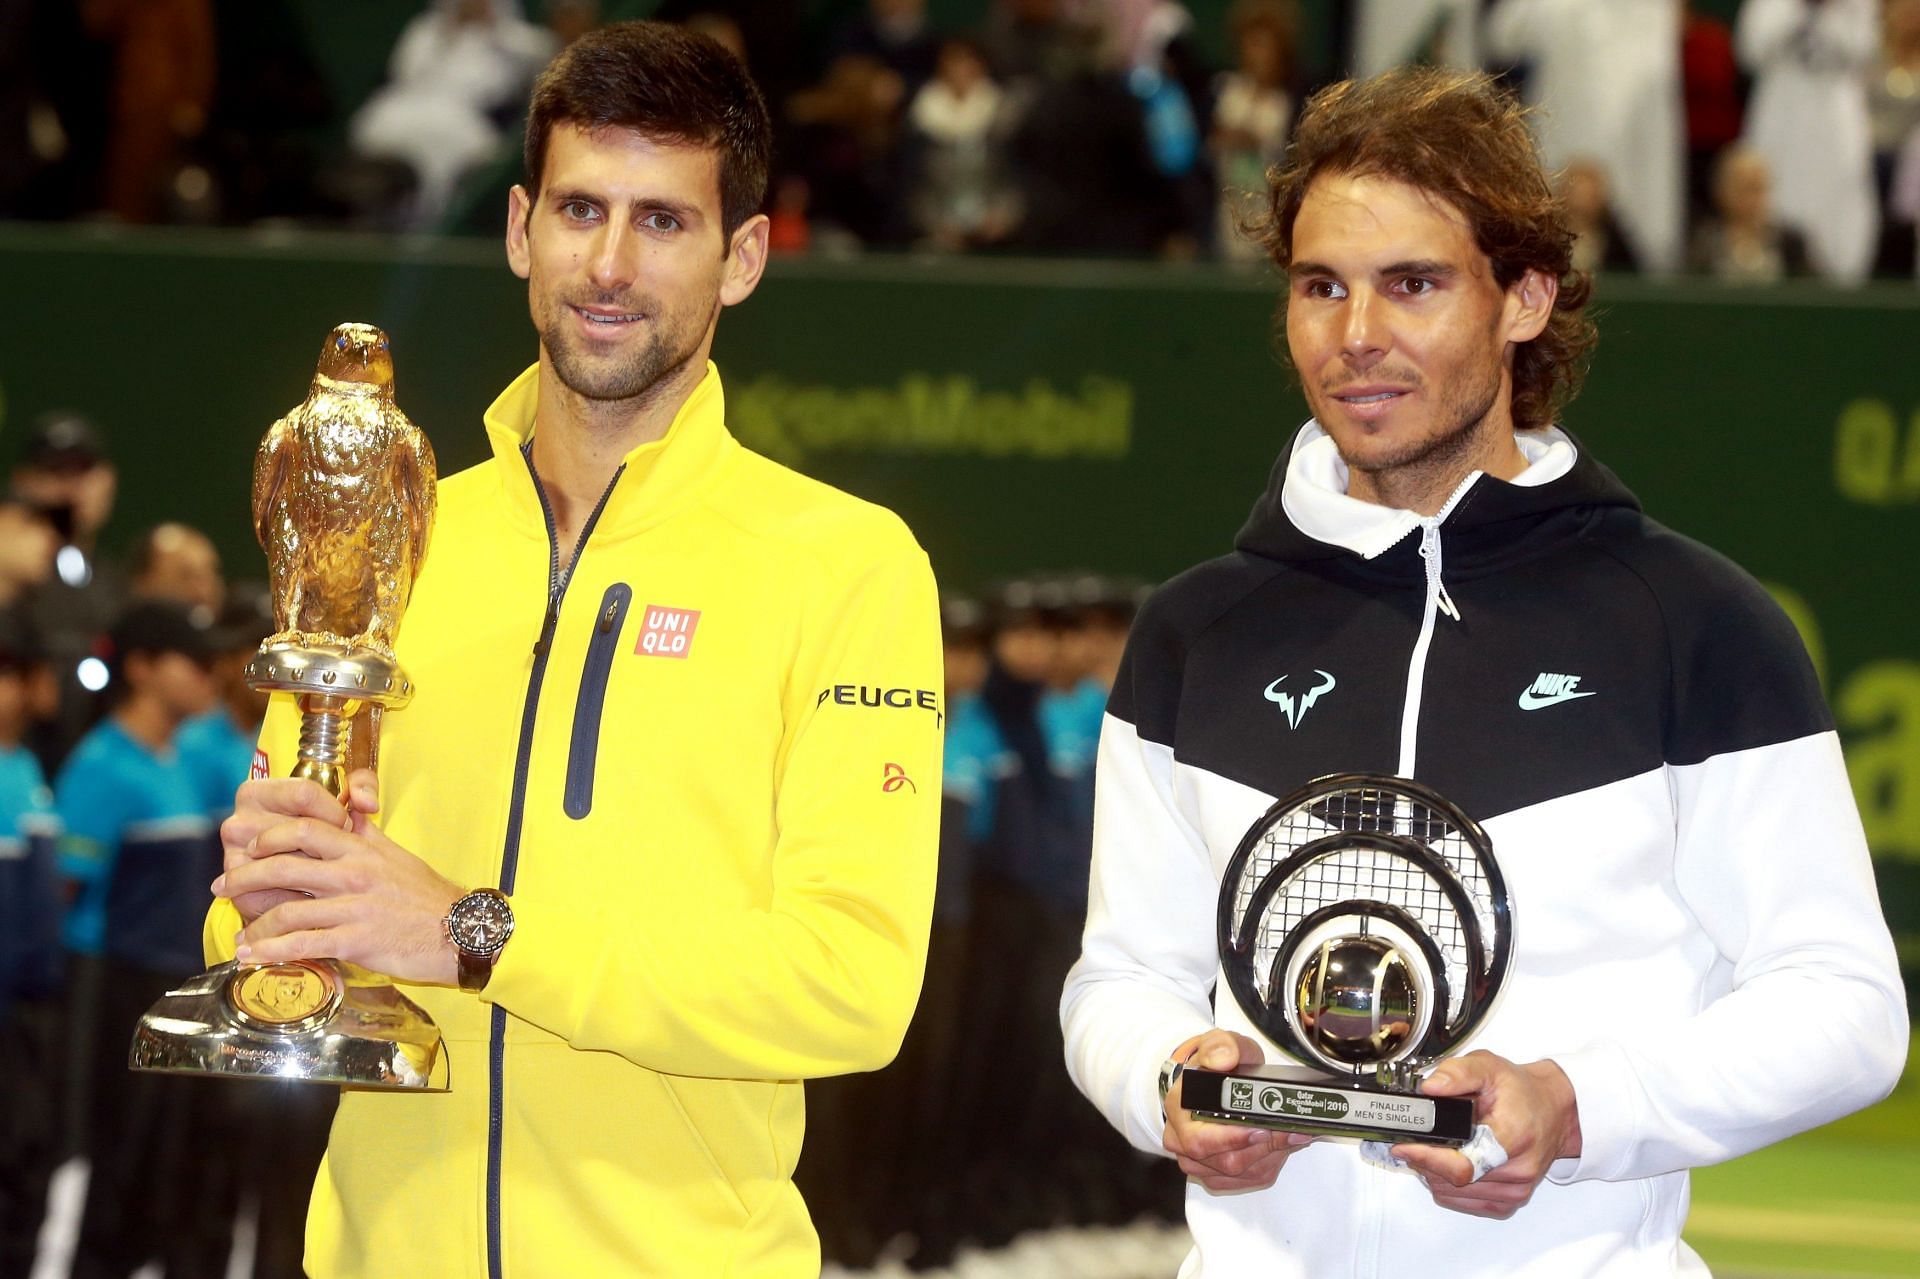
1296, 710
893, 777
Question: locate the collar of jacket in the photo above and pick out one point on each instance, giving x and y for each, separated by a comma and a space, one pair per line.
660, 477
1305, 513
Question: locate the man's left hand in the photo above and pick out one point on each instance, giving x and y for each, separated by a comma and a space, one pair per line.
366, 900
1532, 1112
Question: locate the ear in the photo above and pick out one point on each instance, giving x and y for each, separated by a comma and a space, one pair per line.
746, 260
519, 251
1530, 305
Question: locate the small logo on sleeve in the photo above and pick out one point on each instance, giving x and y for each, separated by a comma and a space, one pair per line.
667, 632
262, 767
893, 777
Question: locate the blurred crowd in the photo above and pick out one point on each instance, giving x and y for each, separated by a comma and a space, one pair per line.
1751, 140
975, 1135
125, 728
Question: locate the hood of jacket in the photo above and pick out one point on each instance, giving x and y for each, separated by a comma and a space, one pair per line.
1305, 514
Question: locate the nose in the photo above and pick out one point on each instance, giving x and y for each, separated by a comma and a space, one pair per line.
613, 265
1364, 336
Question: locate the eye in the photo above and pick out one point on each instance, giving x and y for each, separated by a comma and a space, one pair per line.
1417, 285
657, 221
577, 211
340, 342
1324, 289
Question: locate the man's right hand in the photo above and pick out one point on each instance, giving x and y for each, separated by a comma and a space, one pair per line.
261, 805
1224, 1157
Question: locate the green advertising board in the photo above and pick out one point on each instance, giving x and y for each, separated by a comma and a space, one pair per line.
1038, 415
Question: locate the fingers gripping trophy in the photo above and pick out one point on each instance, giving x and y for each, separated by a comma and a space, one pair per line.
343, 503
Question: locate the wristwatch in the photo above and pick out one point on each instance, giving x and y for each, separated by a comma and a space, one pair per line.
478, 925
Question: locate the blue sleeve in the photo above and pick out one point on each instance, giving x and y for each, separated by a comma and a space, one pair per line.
92, 804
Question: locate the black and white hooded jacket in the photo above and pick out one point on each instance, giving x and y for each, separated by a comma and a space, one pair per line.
1698, 941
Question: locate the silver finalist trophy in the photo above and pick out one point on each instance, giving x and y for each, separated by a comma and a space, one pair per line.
1365, 929
343, 502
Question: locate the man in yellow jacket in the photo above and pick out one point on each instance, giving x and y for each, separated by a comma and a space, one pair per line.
677, 726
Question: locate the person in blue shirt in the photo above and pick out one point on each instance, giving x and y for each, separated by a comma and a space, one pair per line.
30, 963
139, 851
218, 744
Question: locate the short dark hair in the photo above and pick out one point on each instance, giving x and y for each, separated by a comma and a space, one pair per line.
1461, 138
667, 83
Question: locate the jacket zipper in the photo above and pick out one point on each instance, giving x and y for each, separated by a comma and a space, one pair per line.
1437, 602
557, 579
584, 751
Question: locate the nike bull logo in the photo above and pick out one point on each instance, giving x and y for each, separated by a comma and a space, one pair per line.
1295, 712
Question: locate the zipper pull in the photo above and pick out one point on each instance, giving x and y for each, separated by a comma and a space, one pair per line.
606, 618
547, 625
1446, 603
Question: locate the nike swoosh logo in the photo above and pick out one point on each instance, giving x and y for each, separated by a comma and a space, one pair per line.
1528, 702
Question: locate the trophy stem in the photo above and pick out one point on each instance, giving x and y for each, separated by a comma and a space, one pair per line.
325, 724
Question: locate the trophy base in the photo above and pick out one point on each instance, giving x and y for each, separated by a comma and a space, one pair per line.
312, 1021
1296, 1099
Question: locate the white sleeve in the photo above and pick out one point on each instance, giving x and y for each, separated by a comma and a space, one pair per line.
1147, 961
1773, 862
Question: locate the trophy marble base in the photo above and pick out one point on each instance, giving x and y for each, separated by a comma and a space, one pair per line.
317, 1021
1296, 1099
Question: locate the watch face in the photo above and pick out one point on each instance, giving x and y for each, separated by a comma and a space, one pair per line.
481, 923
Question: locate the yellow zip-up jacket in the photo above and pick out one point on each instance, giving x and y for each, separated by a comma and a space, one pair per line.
710, 786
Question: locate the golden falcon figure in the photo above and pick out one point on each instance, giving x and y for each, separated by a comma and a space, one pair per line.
343, 501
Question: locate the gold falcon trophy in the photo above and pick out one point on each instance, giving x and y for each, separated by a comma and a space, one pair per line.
343, 501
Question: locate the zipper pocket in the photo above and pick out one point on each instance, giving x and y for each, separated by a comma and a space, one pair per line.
585, 749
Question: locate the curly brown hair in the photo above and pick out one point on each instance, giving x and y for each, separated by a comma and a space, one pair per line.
1461, 138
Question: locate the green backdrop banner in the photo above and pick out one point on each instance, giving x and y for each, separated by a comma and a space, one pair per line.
1026, 416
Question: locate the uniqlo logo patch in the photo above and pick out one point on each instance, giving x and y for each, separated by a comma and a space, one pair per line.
261, 768
667, 632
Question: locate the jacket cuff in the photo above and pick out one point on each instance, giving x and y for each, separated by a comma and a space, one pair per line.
1604, 1094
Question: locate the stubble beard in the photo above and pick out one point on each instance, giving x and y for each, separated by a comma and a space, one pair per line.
622, 376
1440, 457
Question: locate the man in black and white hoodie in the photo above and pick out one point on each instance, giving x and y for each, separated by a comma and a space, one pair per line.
1441, 584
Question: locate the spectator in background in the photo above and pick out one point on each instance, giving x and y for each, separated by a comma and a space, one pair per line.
1742, 243
1162, 72
1808, 118
1710, 81
1599, 243
30, 963
961, 198
140, 850
1387, 33
163, 75
271, 106
458, 75
178, 563
1893, 103
27, 545
64, 471
1252, 114
897, 35
846, 147
1606, 77
1036, 40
